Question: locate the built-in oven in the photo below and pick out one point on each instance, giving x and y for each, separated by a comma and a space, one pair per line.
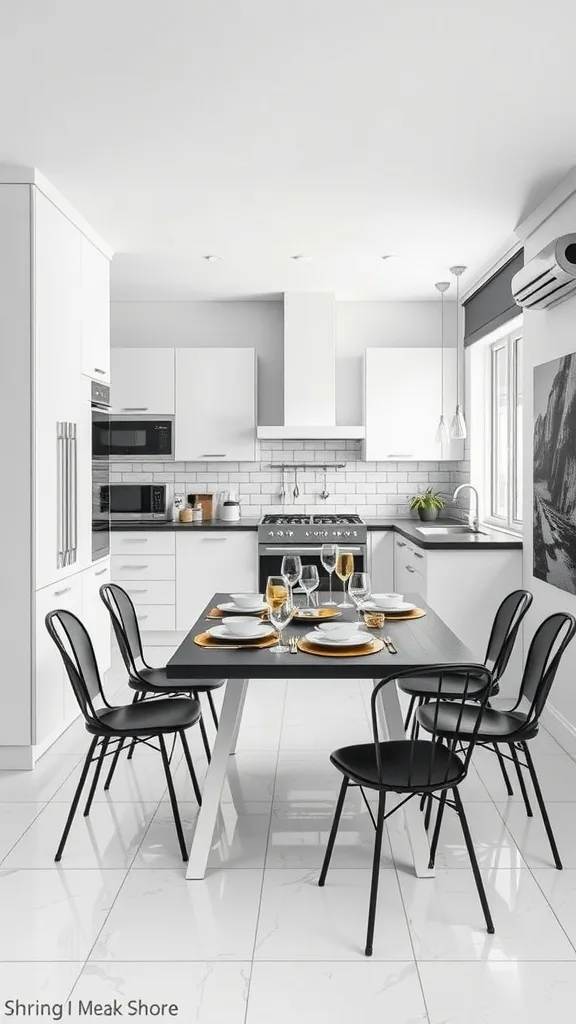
100, 404
129, 502
126, 438
270, 561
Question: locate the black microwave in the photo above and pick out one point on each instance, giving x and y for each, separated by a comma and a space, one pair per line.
126, 439
135, 501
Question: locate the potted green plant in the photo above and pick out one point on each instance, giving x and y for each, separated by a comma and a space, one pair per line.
428, 504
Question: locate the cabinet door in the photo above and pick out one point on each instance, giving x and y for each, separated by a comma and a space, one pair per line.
215, 404
142, 381
57, 376
95, 312
381, 561
94, 614
54, 702
403, 402
210, 562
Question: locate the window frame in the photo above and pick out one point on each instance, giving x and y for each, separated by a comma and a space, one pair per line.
511, 343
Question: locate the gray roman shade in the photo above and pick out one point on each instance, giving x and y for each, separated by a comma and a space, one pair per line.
492, 305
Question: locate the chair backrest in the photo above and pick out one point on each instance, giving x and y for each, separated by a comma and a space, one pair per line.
430, 772
125, 625
75, 646
545, 653
504, 633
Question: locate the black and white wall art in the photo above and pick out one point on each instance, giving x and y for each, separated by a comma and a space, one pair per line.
555, 472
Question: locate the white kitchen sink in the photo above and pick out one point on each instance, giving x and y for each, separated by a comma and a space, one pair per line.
430, 531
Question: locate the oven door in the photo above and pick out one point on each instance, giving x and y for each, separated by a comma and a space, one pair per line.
270, 562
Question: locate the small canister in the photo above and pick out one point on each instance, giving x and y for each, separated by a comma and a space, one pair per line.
197, 513
185, 515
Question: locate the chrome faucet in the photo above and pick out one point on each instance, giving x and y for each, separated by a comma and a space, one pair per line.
473, 516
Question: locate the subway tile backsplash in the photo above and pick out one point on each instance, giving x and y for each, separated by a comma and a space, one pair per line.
368, 488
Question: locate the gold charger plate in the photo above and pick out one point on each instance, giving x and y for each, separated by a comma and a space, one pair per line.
205, 640
373, 647
319, 613
215, 613
416, 613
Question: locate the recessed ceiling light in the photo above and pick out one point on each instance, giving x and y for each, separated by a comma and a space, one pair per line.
211, 258
301, 256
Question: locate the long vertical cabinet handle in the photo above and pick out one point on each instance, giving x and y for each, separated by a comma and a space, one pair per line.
73, 492
66, 494
60, 494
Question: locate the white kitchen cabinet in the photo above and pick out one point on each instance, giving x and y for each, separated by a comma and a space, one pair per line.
403, 400
211, 561
95, 312
409, 568
215, 404
54, 704
142, 381
94, 614
142, 542
381, 560
144, 565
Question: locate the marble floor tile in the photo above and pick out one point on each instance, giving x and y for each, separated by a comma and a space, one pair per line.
40, 784
239, 841
35, 981
530, 836
494, 846
14, 820
299, 835
559, 888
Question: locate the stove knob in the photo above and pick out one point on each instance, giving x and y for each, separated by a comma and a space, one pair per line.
280, 533
271, 533
289, 533
338, 533
307, 533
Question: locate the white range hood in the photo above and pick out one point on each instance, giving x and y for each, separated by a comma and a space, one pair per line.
309, 371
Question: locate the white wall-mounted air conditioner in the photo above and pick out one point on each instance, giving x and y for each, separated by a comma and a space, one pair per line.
548, 278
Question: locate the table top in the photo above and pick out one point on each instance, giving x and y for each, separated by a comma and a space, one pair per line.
419, 642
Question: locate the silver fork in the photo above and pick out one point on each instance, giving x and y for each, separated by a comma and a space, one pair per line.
293, 644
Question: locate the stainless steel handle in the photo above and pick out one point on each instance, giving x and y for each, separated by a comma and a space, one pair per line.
60, 495
401, 543
142, 616
65, 590
410, 569
213, 455
135, 540
73, 492
138, 590
98, 370
101, 572
399, 455
309, 549
133, 566
214, 538
134, 408
418, 554
66, 497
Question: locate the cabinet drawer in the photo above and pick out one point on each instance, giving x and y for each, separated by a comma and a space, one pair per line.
151, 592
156, 616
143, 567
150, 543
413, 582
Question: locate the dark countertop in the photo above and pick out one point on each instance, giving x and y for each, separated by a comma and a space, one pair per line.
489, 540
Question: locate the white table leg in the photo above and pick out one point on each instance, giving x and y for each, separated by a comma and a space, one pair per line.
230, 715
238, 720
392, 725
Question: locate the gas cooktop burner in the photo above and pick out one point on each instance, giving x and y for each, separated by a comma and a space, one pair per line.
317, 520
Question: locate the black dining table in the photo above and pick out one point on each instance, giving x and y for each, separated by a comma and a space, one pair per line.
419, 643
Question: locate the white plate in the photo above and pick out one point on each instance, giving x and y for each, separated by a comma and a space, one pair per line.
405, 606
229, 606
357, 640
223, 633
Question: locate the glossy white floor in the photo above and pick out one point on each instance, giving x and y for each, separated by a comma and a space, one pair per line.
257, 940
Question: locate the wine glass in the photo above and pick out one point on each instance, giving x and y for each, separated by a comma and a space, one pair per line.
309, 581
280, 608
359, 589
291, 568
344, 570
328, 556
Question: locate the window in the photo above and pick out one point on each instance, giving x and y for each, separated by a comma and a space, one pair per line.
504, 465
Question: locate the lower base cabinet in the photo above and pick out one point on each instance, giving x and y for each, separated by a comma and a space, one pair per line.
381, 560
211, 561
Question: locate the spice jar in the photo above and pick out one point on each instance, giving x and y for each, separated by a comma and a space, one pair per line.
374, 620
197, 513
185, 515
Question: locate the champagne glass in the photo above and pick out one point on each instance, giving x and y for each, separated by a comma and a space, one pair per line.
359, 589
328, 556
280, 608
291, 568
344, 570
309, 581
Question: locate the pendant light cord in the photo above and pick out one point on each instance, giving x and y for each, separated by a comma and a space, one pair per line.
442, 358
458, 341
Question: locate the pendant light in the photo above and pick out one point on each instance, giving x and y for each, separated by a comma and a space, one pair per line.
442, 435
458, 429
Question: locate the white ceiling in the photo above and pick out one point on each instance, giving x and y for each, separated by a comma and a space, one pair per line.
257, 130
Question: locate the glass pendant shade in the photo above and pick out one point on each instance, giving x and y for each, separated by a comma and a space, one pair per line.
442, 435
458, 430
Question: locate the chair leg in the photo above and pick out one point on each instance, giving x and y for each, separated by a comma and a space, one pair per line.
334, 830
173, 801
210, 700
542, 806
523, 789
428, 813
409, 713
437, 827
505, 776
473, 861
114, 763
137, 698
188, 757
76, 799
99, 767
375, 873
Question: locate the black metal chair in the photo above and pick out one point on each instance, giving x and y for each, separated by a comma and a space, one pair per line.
516, 727
140, 723
147, 681
413, 767
503, 636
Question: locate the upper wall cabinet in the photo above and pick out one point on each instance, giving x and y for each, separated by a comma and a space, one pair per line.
95, 312
215, 404
143, 381
403, 400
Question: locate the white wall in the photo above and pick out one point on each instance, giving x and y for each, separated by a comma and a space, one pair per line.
548, 335
259, 324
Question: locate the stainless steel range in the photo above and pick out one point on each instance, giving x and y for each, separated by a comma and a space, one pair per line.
304, 535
